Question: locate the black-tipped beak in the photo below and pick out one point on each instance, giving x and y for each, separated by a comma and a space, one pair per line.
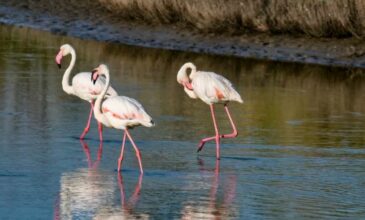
59, 65
93, 77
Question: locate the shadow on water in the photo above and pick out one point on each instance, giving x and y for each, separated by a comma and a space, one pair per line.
230, 158
96, 139
299, 153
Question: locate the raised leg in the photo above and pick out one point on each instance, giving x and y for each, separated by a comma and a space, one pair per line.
138, 153
203, 141
234, 133
86, 129
121, 152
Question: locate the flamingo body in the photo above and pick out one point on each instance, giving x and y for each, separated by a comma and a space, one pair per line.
123, 112
119, 112
81, 86
211, 88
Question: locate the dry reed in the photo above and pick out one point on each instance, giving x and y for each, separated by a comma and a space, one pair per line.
319, 18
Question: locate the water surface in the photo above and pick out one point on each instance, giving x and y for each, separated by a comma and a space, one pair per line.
299, 153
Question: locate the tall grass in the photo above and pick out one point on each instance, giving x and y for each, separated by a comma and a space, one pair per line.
319, 18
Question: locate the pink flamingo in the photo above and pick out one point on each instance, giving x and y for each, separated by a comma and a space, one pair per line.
119, 112
211, 88
81, 85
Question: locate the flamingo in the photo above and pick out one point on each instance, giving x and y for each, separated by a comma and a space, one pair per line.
211, 88
119, 112
81, 85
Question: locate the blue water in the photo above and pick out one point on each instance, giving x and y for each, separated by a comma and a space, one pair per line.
299, 154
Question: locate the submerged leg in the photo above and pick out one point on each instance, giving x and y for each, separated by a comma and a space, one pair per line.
87, 153
100, 151
138, 153
99, 154
100, 129
86, 129
121, 152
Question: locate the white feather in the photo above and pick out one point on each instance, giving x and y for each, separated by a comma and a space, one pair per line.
122, 112
213, 88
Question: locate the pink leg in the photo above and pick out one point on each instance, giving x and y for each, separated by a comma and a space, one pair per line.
202, 142
100, 129
121, 152
138, 154
88, 121
216, 137
234, 133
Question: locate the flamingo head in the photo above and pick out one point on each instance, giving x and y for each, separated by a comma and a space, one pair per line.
182, 76
98, 71
64, 50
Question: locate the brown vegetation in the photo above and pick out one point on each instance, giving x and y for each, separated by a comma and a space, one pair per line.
319, 18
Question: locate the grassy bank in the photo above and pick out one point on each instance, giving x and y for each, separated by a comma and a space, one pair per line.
318, 18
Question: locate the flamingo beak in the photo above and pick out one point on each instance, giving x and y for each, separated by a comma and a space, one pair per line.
188, 85
59, 58
94, 75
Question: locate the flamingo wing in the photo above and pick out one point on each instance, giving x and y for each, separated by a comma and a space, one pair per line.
123, 111
211, 87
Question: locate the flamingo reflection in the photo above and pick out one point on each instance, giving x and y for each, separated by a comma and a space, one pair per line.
91, 164
128, 206
215, 208
84, 190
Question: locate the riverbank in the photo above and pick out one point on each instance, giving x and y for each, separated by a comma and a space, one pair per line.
90, 20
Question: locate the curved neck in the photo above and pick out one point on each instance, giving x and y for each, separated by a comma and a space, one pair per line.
97, 107
67, 87
182, 74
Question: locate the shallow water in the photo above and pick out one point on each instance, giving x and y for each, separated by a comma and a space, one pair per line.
299, 153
